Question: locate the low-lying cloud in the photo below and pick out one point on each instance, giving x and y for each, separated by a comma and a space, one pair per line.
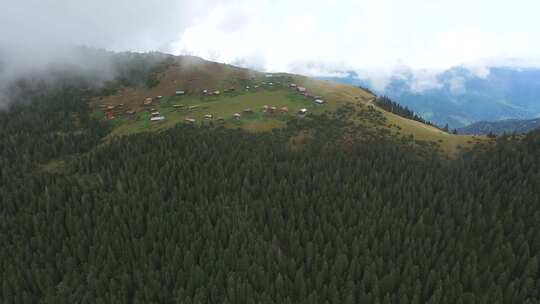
37, 36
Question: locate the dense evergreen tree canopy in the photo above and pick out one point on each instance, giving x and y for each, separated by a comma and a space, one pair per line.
213, 215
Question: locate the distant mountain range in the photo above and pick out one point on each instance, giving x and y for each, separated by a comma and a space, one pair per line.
459, 97
500, 127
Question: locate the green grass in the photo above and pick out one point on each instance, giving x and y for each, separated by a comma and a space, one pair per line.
224, 105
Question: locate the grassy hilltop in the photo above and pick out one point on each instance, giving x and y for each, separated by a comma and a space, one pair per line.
252, 90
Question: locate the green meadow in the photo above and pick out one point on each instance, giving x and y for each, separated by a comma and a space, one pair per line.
222, 106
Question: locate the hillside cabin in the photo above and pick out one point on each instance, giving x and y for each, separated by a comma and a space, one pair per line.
270, 110
193, 107
205, 92
208, 116
159, 97
180, 92
284, 110
271, 83
302, 111
301, 89
129, 112
317, 97
248, 110
308, 95
292, 85
236, 115
319, 101
155, 114
217, 92
147, 101
221, 119
157, 118
265, 108
255, 86
189, 120
248, 87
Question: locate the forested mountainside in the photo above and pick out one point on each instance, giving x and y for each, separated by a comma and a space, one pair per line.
508, 126
322, 211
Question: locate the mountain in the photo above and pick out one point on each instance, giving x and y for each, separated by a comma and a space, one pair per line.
459, 97
246, 92
343, 205
508, 126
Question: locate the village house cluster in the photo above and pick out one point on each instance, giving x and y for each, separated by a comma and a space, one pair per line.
112, 111
302, 90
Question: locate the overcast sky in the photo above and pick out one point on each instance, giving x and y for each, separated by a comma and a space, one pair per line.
308, 36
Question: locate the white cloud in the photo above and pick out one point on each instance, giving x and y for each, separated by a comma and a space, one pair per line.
457, 85
375, 37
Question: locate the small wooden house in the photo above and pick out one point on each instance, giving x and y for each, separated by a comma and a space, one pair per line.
208, 116
157, 118
236, 115
248, 110
147, 101
302, 111
319, 101
284, 110
180, 92
301, 89
190, 120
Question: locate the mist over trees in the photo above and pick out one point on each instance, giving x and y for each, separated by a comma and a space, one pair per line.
90, 69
